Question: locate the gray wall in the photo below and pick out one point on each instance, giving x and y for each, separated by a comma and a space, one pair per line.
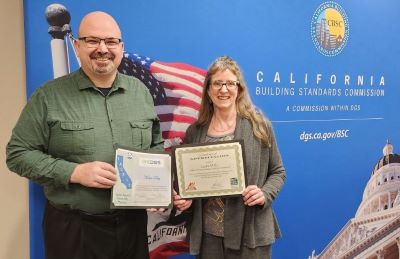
14, 226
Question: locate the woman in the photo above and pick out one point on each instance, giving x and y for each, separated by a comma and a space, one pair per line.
235, 227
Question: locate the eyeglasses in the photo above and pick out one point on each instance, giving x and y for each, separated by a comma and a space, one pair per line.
230, 85
94, 42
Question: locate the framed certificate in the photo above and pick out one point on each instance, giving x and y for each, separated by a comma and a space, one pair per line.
209, 170
143, 179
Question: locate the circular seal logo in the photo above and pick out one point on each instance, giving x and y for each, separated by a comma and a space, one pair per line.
330, 29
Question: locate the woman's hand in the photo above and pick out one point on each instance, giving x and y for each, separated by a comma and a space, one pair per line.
180, 203
155, 210
253, 195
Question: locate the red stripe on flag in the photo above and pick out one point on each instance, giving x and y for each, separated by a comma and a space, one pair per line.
176, 118
173, 134
184, 67
183, 102
195, 79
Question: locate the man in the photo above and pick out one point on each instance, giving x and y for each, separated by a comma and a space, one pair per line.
65, 140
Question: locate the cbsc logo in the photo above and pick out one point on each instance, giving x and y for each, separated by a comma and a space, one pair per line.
330, 29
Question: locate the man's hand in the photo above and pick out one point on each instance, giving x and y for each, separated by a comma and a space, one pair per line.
94, 174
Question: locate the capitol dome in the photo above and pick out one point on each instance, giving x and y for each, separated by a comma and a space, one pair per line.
382, 190
374, 232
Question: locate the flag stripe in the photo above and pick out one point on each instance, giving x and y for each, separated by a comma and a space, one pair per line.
182, 94
176, 126
183, 102
165, 109
186, 74
177, 86
162, 77
183, 67
176, 117
173, 134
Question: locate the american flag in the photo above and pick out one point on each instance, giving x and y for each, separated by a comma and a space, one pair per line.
176, 89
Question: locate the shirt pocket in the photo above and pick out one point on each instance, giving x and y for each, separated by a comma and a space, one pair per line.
72, 137
141, 134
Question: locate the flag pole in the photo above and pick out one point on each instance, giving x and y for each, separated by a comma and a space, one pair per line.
59, 18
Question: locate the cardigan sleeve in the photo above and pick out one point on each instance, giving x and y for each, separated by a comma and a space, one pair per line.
276, 172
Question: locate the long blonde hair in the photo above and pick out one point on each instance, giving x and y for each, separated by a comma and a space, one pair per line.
244, 106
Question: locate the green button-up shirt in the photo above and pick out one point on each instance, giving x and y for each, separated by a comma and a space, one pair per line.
69, 121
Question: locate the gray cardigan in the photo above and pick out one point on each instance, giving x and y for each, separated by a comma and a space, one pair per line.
243, 225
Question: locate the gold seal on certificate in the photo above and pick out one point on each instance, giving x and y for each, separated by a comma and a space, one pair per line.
143, 179
209, 170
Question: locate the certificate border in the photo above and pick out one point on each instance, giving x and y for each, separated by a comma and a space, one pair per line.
177, 175
149, 151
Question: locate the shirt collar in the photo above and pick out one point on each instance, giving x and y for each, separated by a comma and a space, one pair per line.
84, 81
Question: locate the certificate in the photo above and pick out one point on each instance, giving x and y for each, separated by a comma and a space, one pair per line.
143, 179
209, 170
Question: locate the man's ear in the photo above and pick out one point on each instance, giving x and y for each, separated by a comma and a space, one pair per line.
76, 47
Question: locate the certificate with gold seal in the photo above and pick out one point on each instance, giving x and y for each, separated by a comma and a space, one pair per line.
210, 170
144, 179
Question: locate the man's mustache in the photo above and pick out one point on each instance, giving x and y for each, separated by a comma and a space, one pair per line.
102, 55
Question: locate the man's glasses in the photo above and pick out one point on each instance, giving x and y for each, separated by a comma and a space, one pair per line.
230, 84
94, 42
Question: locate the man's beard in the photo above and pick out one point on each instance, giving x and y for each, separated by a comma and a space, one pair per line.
103, 68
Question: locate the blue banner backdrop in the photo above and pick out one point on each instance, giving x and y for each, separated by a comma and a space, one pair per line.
332, 100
